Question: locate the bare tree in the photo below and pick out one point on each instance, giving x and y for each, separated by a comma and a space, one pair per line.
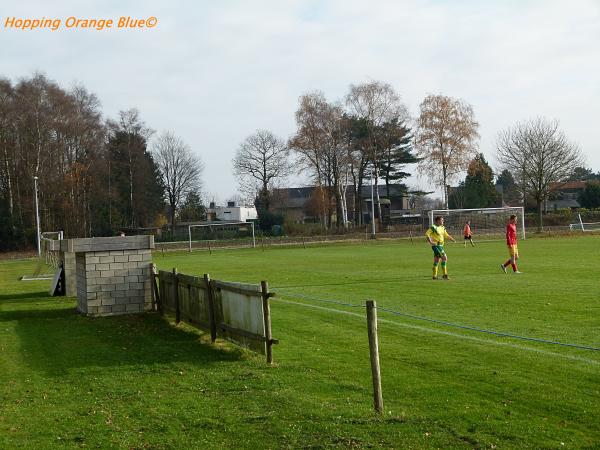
538, 154
321, 145
179, 167
446, 138
260, 159
375, 103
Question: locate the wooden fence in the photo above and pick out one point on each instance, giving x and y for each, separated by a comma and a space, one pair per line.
237, 312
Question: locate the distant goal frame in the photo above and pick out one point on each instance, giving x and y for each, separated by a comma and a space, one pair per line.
219, 224
581, 225
445, 212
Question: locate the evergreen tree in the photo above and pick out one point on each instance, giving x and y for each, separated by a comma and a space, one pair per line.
590, 197
479, 189
192, 209
135, 189
394, 140
582, 174
509, 191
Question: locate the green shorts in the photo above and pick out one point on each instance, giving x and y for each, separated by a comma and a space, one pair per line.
438, 250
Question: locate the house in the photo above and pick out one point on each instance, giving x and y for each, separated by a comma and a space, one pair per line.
564, 195
231, 213
305, 205
393, 199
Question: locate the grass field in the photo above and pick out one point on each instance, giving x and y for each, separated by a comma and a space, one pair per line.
140, 382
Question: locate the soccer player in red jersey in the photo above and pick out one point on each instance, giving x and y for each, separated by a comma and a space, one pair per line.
511, 242
467, 233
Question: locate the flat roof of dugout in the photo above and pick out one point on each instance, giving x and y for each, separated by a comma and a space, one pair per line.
101, 244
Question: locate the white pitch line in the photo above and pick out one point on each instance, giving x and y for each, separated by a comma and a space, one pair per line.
449, 333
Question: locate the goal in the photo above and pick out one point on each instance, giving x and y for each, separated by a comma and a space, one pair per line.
226, 234
584, 226
48, 259
484, 221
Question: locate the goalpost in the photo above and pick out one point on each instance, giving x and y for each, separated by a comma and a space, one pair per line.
483, 220
224, 226
584, 226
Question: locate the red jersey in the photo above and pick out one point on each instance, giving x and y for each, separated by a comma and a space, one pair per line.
467, 230
511, 234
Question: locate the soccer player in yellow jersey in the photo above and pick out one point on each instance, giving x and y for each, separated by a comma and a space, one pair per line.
436, 235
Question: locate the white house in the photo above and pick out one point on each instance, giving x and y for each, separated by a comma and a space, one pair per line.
231, 212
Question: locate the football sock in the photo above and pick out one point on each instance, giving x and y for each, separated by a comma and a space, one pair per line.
514, 267
435, 269
444, 268
507, 263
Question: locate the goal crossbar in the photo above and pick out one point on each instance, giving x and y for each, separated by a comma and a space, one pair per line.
220, 224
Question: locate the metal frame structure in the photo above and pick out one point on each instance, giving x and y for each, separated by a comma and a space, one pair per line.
581, 224
220, 224
442, 212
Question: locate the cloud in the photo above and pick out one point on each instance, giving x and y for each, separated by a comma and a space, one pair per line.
214, 72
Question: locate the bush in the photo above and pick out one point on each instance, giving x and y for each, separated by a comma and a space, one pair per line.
267, 220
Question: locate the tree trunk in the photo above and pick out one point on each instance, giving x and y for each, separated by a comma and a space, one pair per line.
445, 187
10, 193
358, 203
172, 219
540, 205
376, 188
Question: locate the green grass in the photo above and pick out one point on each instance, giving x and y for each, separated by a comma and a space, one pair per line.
140, 382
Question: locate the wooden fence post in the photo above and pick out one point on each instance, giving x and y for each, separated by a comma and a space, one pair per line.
156, 294
212, 320
176, 294
374, 351
264, 287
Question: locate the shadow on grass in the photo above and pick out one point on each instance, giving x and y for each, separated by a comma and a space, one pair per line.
33, 296
58, 339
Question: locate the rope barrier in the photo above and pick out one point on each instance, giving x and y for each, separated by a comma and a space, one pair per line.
483, 330
335, 302
446, 323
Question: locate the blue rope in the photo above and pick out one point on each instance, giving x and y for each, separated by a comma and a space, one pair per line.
482, 330
335, 302
449, 324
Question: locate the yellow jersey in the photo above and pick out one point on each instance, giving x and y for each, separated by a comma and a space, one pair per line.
437, 233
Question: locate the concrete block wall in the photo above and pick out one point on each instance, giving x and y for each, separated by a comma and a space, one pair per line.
114, 282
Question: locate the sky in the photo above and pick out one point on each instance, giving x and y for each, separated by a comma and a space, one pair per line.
213, 72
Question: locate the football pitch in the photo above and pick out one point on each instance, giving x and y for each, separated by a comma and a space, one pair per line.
484, 360
513, 357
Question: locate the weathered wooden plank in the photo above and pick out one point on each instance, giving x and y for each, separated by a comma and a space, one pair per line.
166, 276
211, 309
239, 288
176, 296
192, 281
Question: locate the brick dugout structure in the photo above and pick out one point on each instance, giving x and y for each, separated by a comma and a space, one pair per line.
111, 275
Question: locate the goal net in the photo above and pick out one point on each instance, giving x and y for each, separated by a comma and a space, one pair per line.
490, 222
221, 234
49, 258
